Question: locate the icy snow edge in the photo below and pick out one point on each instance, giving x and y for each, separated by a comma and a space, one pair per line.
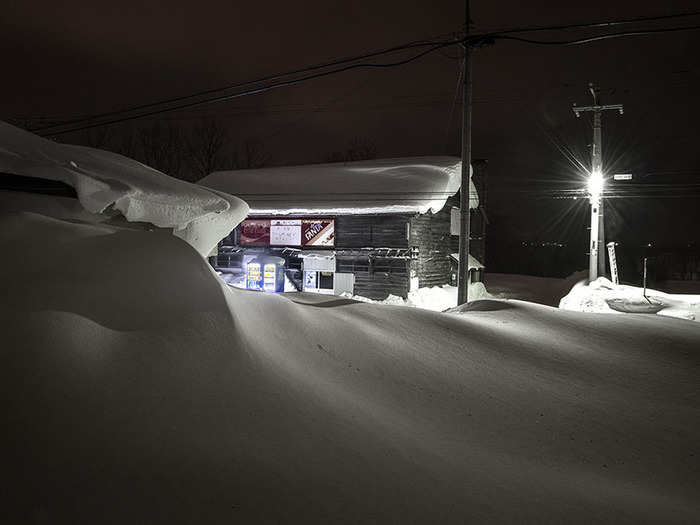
198, 215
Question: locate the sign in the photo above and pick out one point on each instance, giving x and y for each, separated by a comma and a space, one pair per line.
309, 280
253, 277
318, 232
287, 232
255, 232
622, 176
613, 262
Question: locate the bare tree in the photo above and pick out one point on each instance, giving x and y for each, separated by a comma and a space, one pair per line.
358, 149
206, 149
162, 147
98, 137
128, 144
253, 155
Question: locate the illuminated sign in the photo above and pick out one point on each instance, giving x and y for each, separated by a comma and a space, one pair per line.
255, 232
287, 232
318, 232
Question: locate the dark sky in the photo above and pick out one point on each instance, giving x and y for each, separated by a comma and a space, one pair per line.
69, 59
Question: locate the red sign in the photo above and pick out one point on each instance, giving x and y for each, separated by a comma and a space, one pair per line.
255, 232
317, 232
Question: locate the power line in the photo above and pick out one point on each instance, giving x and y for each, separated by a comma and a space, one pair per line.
605, 23
474, 40
254, 91
373, 54
596, 38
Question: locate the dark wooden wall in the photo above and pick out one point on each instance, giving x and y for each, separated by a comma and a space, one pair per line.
371, 231
431, 234
376, 277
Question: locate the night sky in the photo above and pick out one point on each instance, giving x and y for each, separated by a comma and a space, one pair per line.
63, 60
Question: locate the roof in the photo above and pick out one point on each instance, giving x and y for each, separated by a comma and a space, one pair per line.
473, 261
402, 185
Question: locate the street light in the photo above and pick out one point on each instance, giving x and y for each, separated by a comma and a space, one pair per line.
595, 185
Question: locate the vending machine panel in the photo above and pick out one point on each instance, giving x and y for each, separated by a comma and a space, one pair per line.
270, 278
253, 276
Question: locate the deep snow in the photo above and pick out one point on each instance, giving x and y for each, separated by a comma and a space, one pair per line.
104, 180
604, 296
139, 387
401, 185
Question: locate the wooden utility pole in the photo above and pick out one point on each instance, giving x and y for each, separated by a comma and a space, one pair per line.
596, 257
464, 197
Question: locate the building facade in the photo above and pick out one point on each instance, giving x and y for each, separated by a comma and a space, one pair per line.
364, 243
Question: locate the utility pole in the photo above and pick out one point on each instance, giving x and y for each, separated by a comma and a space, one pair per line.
464, 197
596, 258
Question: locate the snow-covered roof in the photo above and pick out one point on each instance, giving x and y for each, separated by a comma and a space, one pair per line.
402, 185
473, 262
102, 179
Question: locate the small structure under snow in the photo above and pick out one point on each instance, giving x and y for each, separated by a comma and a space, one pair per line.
107, 181
371, 228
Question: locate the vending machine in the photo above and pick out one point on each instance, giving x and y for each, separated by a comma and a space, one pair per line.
265, 273
253, 279
270, 277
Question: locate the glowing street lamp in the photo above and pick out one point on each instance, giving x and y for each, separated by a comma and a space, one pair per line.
595, 185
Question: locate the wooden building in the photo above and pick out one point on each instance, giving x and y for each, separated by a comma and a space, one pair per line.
370, 228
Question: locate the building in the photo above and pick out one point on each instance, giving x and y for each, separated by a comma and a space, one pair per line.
370, 228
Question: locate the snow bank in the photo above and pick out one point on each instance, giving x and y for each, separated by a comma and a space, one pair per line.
403, 185
603, 296
144, 389
105, 180
435, 298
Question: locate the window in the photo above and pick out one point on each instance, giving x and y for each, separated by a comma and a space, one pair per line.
325, 280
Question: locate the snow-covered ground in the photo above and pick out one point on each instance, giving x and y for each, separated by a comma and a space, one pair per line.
435, 298
604, 296
138, 387
144, 389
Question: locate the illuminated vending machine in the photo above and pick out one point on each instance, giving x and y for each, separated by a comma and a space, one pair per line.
265, 273
270, 277
253, 280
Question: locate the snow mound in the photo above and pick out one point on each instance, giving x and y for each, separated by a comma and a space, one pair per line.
402, 185
105, 180
145, 390
435, 298
603, 296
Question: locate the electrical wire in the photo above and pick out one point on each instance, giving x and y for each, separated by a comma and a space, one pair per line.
605, 23
254, 91
595, 38
473, 40
373, 54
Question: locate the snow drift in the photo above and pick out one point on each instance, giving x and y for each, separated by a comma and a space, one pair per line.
606, 297
105, 180
144, 389
402, 185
